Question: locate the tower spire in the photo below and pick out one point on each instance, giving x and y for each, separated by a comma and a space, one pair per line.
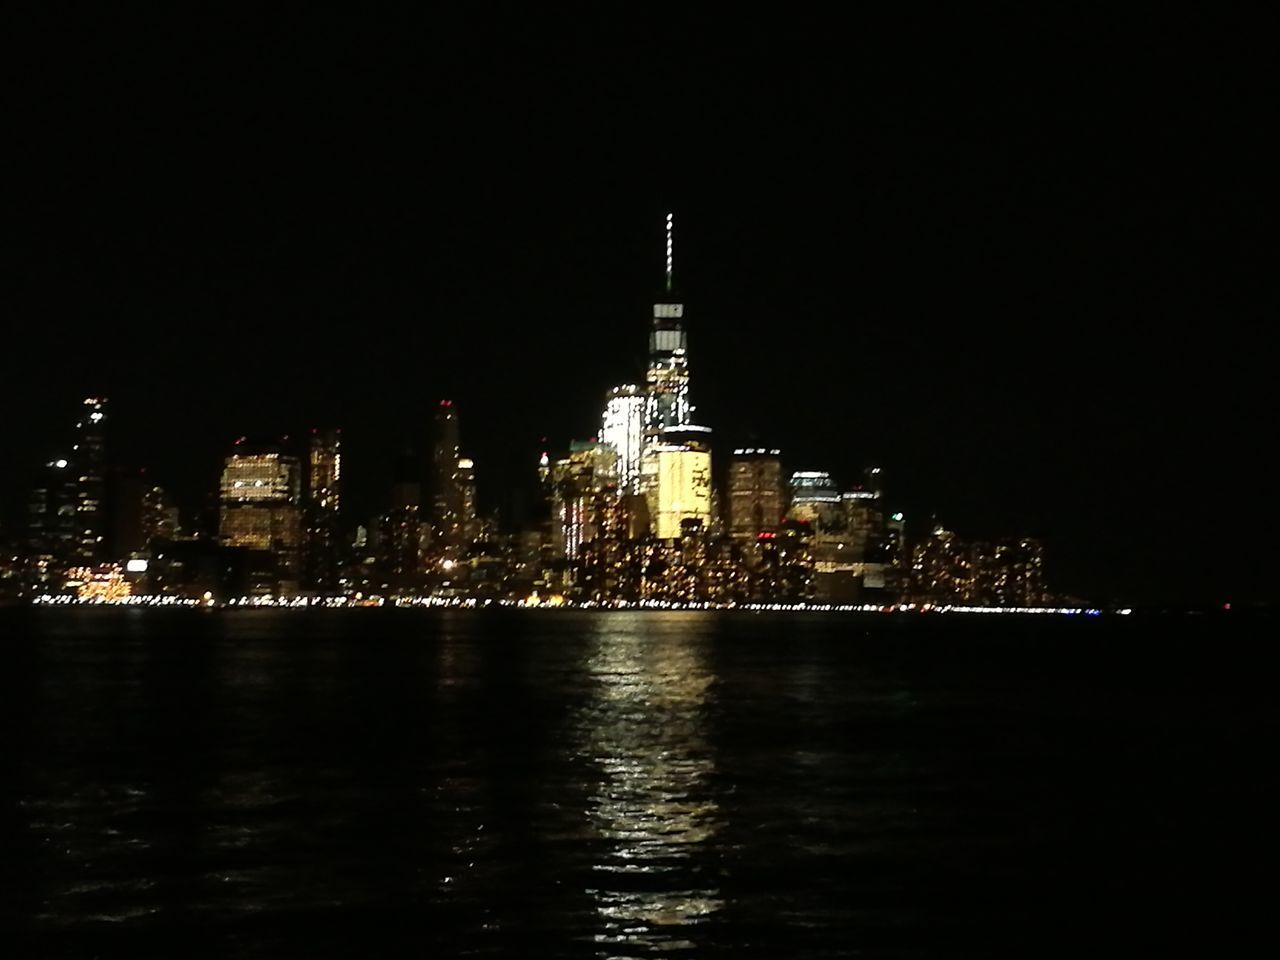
670, 217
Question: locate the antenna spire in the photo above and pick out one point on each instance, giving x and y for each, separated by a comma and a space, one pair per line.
670, 217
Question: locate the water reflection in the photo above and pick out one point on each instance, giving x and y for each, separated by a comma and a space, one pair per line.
652, 806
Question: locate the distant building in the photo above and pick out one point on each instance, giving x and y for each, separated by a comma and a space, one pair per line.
90, 463
814, 498
756, 498
667, 379
260, 508
324, 500
160, 517
446, 490
469, 517
53, 531
676, 478
1004, 573
622, 427
578, 483
123, 494
401, 533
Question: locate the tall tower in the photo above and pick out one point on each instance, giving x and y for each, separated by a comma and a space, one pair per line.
622, 427
667, 380
90, 460
324, 494
446, 512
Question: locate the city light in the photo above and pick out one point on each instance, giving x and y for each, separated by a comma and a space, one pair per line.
642, 516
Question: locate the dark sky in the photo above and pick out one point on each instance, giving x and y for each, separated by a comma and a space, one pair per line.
1022, 264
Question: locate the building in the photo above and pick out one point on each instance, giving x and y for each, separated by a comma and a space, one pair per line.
814, 498
465, 477
260, 508
53, 531
757, 501
622, 427
580, 483
401, 535
323, 506
160, 517
446, 491
667, 379
676, 478
122, 524
90, 463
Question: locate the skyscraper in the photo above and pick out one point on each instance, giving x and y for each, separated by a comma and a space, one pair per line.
667, 379
446, 491
324, 497
468, 517
756, 499
90, 462
53, 532
578, 482
622, 427
676, 478
260, 507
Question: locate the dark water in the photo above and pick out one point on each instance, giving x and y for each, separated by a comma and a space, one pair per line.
380, 783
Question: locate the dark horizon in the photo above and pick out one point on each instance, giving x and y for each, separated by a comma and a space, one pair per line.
1027, 280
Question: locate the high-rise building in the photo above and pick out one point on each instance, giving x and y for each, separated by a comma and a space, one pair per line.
446, 491
622, 427
122, 515
814, 498
324, 474
260, 507
676, 478
667, 379
324, 498
578, 484
756, 499
90, 462
52, 528
469, 517
160, 518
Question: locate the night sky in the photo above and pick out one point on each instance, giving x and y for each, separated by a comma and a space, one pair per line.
1018, 264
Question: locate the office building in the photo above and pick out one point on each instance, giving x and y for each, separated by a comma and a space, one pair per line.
446, 490
90, 463
260, 508
323, 516
667, 379
676, 478
756, 498
622, 427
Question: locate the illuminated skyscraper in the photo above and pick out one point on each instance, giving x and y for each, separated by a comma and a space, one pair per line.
90, 463
667, 380
324, 474
446, 491
578, 482
676, 478
622, 428
324, 497
160, 518
52, 528
756, 499
260, 506
814, 498
469, 519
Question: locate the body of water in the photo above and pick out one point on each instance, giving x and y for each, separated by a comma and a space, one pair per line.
595, 784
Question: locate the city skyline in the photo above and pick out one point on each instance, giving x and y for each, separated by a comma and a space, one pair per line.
1028, 291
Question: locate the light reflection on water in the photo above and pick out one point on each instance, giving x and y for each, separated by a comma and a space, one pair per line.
644, 727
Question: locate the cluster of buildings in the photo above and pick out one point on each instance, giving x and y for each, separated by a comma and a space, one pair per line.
649, 509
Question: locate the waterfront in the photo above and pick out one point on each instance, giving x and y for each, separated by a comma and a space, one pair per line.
261, 783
